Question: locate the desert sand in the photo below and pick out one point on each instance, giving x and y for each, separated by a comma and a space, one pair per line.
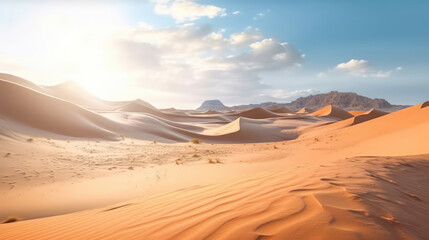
77, 167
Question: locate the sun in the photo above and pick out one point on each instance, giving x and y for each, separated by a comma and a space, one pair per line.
78, 39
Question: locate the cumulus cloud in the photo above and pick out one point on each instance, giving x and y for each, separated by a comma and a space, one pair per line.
269, 54
246, 37
289, 96
236, 12
360, 68
195, 59
187, 10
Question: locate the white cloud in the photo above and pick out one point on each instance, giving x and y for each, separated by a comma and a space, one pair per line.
194, 59
246, 37
261, 14
359, 68
187, 61
187, 10
236, 12
289, 96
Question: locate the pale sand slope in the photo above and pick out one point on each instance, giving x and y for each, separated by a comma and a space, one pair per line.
27, 111
322, 196
21, 105
71, 92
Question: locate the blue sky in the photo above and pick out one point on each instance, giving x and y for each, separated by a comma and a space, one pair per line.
233, 50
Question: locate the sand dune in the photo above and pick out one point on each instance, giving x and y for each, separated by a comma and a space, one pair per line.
279, 109
305, 110
71, 92
332, 112
323, 175
356, 113
366, 116
388, 134
360, 117
329, 202
17, 106
248, 130
257, 113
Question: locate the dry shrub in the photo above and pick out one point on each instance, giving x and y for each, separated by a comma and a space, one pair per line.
214, 161
11, 219
195, 141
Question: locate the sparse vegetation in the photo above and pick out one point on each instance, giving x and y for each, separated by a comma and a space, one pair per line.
275, 147
154, 141
7, 154
179, 161
122, 137
214, 161
131, 168
316, 139
11, 219
195, 141
30, 140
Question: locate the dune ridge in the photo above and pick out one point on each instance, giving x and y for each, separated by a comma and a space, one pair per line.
279, 109
257, 113
51, 114
332, 112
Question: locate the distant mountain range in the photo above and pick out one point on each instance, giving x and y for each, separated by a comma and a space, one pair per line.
344, 100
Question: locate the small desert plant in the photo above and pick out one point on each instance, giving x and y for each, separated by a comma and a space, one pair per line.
131, 168
154, 142
30, 140
275, 147
316, 140
7, 154
195, 141
122, 137
10, 220
178, 161
211, 160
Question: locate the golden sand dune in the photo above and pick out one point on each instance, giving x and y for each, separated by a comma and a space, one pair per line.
305, 110
389, 133
366, 116
375, 134
356, 113
332, 112
330, 201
